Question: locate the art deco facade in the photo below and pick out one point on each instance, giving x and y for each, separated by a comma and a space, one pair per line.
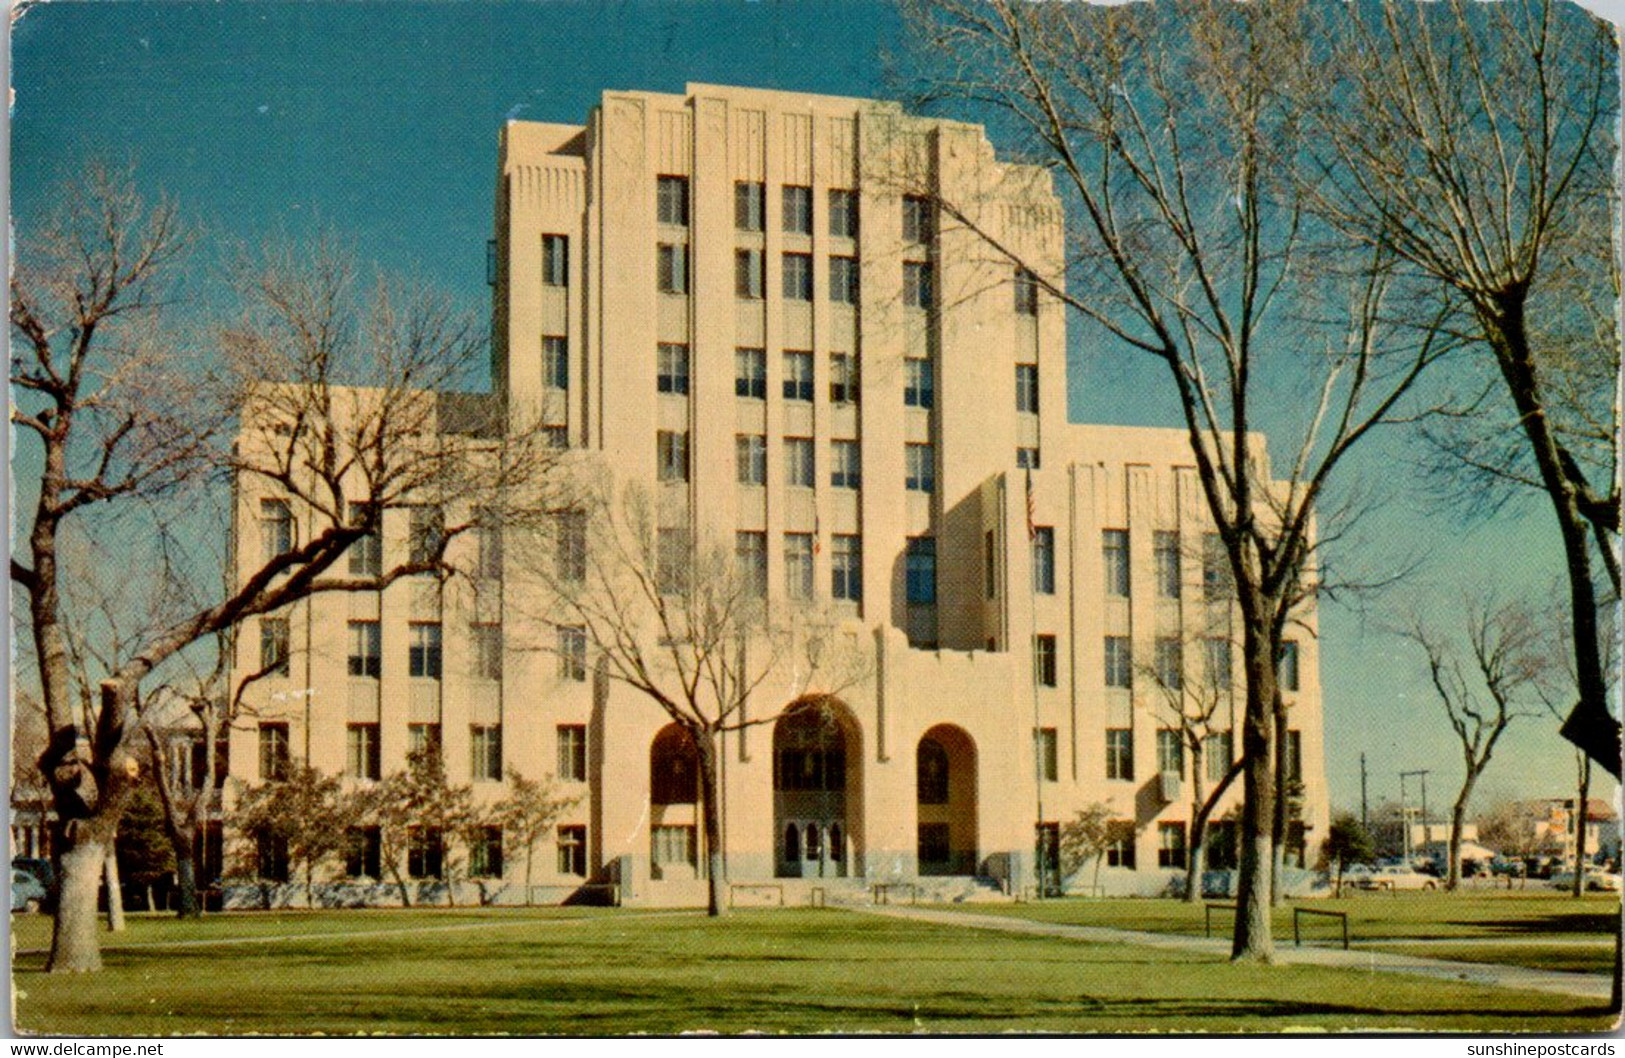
746, 301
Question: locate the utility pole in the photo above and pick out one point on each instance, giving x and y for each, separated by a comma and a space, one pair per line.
1404, 813
1365, 822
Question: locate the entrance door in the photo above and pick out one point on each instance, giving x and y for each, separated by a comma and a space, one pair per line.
813, 848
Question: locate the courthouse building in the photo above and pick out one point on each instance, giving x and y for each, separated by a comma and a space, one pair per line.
749, 302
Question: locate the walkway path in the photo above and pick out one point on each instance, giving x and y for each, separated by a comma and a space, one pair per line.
1587, 986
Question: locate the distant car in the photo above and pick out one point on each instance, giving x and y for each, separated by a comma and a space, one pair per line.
43, 873
1397, 877
1596, 881
1504, 867
27, 893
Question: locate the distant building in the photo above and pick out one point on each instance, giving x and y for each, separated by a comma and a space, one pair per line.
734, 297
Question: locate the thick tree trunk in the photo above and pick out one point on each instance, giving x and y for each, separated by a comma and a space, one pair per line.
186, 884
1580, 826
74, 942
1458, 820
1252, 941
1278, 819
115, 891
715, 859
1193, 864
1193, 871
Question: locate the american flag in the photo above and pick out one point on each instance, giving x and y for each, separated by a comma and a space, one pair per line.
1032, 530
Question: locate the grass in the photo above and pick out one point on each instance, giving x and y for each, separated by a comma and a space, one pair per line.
1522, 918
802, 971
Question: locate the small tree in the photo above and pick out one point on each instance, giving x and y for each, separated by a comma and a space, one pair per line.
304, 812
416, 797
528, 812
1346, 842
1085, 837
144, 852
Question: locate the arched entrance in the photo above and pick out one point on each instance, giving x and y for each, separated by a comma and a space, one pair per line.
817, 787
674, 794
945, 801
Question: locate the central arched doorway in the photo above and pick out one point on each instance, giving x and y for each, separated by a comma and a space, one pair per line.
674, 797
945, 801
816, 790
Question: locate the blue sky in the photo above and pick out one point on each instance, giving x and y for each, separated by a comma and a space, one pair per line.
380, 121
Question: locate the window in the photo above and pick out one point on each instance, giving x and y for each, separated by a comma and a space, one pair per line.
273, 752
1218, 664
1044, 660
1120, 844
749, 266
931, 773
274, 646
798, 285
487, 643
671, 846
919, 387
271, 854
572, 752
1216, 750
843, 379
671, 194
920, 562
1044, 559
485, 752
367, 553
917, 284
843, 213
570, 546
1114, 554
798, 565
920, 468
846, 469
671, 455
672, 553
1286, 671
797, 209
423, 650
1026, 293
1048, 757
1165, 546
843, 280
557, 436
1216, 580
1027, 458
750, 458
361, 751
485, 852
423, 740
555, 362
916, 218
555, 260
363, 852
1171, 663
426, 534
749, 197
1027, 388
1119, 662
1170, 751
487, 544
425, 852
750, 558
365, 651
1119, 753
846, 567
1292, 754
798, 462
798, 376
671, 267
573, 851
750, 373
671, 369
276, 528
674, 769
573, 653
1170, 844
990, 568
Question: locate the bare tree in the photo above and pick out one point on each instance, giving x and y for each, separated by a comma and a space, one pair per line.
1483, 693
124, 415
1177, 143
676, 617
1476, 143
305, 813
528, 812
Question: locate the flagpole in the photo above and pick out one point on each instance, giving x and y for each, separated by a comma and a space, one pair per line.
1039, 837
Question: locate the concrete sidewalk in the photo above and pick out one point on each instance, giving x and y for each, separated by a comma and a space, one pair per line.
1585, 986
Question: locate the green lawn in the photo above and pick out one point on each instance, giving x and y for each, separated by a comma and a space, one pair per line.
1522, 917
594, 971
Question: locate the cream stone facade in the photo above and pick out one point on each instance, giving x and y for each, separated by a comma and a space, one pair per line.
746, 301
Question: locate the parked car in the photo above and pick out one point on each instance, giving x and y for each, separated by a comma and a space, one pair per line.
1398, 877
1503, 866
43, 873
1596, 881
27, 892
